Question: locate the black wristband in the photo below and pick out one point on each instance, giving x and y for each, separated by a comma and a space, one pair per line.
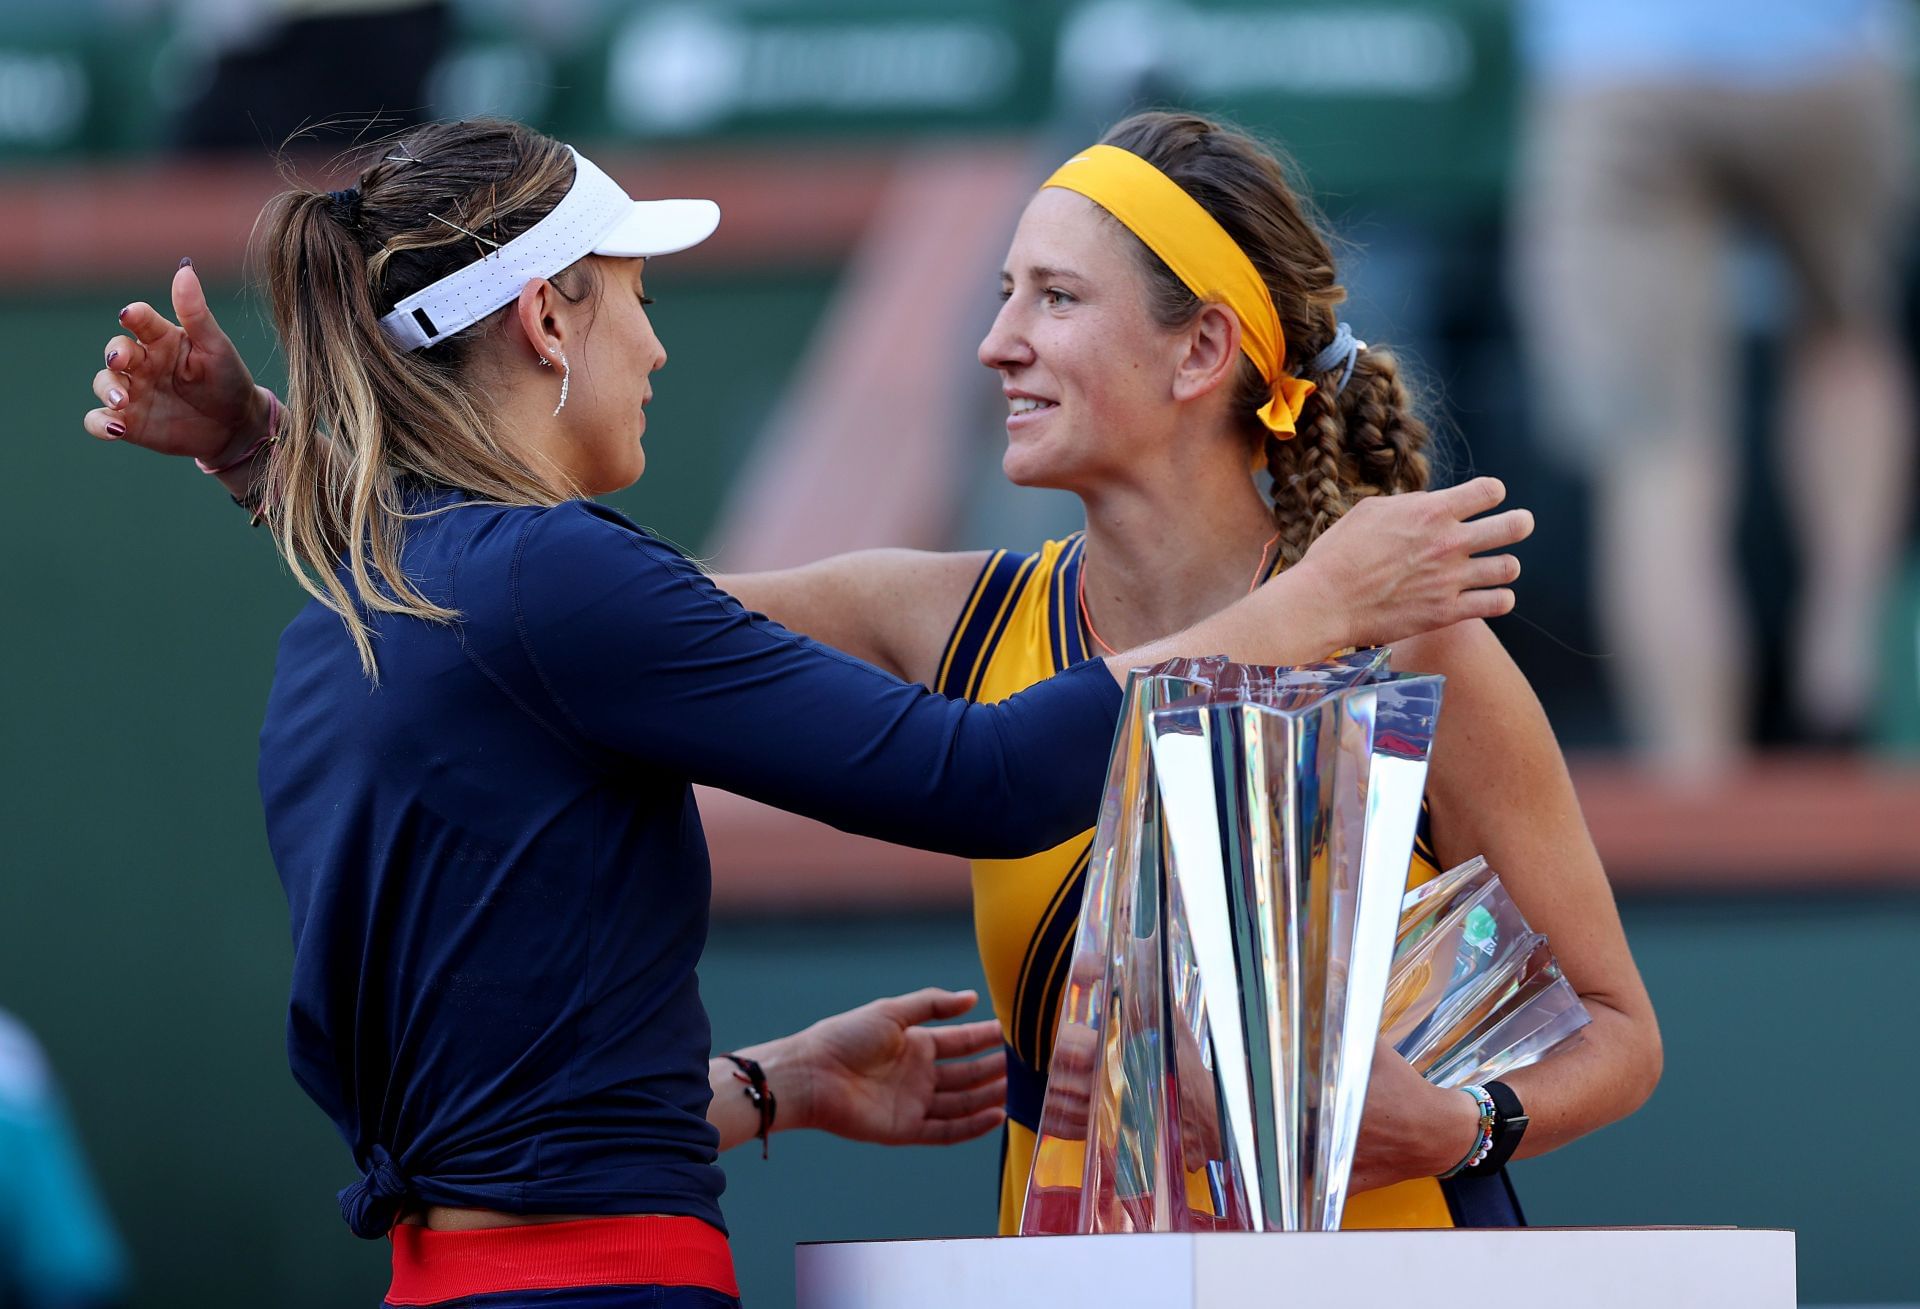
759, 1095
1509, 1125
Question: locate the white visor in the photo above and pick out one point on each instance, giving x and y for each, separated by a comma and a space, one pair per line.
595, 218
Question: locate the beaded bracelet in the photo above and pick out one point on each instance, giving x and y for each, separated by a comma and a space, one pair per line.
1483, 1144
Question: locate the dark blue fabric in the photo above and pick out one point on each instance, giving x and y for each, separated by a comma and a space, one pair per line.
1026, 1091
597, 1297
1483, 1201
497, 877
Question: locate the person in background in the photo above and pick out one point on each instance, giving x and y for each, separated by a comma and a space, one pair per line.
58, 1249
1654, 130
323, 68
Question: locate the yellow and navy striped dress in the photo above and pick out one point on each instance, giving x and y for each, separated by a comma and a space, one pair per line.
1021, 625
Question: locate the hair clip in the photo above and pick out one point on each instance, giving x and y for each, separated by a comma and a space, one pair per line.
464, 232
402, 158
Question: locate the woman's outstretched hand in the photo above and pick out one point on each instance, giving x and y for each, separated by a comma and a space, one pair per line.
1397, 566
882, 1073
177, 388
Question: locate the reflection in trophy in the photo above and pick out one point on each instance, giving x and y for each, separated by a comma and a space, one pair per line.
1475, 992
1113, 1009
1234, 945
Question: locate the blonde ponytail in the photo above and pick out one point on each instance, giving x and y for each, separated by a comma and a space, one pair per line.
366, 423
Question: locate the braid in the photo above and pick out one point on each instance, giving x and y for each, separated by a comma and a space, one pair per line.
1386, 439
1367, 441
1311, 478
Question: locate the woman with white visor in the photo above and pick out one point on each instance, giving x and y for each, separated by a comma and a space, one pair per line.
478, 752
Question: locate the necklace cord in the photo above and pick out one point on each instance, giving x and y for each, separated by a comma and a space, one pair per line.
1086, 615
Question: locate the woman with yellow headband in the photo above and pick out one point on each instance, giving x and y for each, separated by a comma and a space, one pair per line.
1170, 352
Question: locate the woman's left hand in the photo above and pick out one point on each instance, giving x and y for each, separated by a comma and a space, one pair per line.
1411, 1128
880, 1073
178, 389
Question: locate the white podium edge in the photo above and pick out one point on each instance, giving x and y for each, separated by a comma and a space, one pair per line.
1642, 1267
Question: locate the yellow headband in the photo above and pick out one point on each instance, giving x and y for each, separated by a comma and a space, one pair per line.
1190, 242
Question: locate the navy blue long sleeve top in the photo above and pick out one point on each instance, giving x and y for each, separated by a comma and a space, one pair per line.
496, 874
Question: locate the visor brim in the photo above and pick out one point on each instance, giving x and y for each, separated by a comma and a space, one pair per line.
659, 227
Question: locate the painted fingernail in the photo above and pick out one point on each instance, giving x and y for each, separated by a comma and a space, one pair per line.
126, 311
115, 429
111, 356
186, 261
116, 398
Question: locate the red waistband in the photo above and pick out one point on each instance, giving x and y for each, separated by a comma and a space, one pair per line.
654, 1250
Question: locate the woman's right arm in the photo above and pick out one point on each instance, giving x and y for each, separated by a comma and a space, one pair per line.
645, 659
646, 662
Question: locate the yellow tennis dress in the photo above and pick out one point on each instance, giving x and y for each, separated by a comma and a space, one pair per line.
1021, 625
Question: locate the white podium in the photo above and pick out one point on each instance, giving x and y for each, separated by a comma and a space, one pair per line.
1522, 1268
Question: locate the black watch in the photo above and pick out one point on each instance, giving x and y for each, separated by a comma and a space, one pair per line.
1509, 1125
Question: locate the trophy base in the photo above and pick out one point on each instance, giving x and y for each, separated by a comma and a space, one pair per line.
1569, 1268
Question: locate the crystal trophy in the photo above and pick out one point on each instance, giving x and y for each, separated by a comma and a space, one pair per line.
1475, 992
1243, 903
1097, 1156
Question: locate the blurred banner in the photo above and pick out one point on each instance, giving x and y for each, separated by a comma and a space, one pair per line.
1426, 84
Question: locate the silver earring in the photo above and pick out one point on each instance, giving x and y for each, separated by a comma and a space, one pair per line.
566, 376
